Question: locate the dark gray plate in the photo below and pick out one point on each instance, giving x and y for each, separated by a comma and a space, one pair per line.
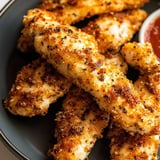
30, 137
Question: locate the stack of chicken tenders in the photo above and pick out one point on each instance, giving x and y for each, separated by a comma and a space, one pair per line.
88, 65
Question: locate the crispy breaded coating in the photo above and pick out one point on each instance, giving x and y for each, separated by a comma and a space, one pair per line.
74, 11
37, 85
81, 3
140, 56
75, 55
117, 60
148, 87
112, 30
25, 42
126, 147
78, 125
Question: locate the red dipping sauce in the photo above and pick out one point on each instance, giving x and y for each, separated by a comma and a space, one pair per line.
152, 35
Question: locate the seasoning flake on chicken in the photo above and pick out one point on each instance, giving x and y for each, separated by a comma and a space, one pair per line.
78, 125
37, 85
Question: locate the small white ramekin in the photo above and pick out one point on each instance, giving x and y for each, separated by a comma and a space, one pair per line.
150, 19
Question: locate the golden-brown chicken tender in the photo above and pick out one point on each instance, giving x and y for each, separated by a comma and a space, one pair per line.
37, 85
140, 56
78, 125
111, 31
25, 42
126, 147
81, 3
74, 11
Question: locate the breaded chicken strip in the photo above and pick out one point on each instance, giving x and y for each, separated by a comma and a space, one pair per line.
75, 55
74, 11
148, 86
126, 147
78, 125
37, 85
25, 43
111, 31
84, 3
140, 56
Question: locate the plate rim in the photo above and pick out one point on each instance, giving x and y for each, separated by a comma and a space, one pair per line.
12, 147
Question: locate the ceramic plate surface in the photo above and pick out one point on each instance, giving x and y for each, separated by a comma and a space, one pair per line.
30, 137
